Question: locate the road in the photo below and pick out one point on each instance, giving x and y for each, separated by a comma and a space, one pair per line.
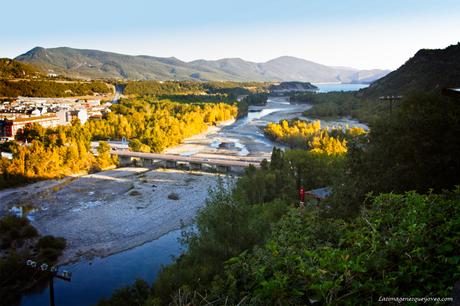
118, 92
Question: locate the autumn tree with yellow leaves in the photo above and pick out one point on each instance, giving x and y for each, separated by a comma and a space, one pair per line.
310, 135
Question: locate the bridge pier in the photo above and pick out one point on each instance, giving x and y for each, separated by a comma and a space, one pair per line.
125, 160
171, 164
147, 162
237, 169
196, 166
221, 168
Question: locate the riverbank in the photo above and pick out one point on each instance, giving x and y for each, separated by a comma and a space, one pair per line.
112, 211
243, 138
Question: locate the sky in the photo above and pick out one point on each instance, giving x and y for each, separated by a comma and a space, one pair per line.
362, 34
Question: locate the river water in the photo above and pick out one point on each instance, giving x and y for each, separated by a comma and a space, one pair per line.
95, 279
98, 278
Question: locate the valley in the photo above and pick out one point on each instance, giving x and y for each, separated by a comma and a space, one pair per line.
154, 180
117, 210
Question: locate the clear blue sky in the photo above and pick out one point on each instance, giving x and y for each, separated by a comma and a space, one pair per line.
357, 33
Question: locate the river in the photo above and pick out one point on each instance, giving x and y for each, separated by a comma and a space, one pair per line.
95, 279
100, 277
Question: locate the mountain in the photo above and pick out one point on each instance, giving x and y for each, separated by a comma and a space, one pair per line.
10, 69
99, 64
427, 70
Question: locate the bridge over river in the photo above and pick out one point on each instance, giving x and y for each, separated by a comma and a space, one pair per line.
173, 161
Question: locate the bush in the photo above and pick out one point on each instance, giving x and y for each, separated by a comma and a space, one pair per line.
30, 231
225, 228
12, 263
401, 245
50, 242
15, 230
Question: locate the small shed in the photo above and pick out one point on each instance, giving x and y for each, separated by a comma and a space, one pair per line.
319, 194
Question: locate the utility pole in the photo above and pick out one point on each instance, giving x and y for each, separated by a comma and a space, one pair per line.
391, 99
51, 274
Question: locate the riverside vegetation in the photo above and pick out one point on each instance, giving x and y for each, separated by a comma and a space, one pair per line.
45, 153
334, 105
156, 115
310, 135
151, 126
390, 228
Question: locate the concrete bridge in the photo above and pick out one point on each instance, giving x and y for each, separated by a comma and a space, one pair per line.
173, 161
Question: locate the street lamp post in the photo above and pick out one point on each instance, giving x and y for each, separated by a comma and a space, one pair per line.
51, 272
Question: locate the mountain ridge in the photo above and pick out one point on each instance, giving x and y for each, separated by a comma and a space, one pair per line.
427, 70
93, 64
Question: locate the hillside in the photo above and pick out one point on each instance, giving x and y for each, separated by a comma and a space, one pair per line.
10, 69
99, 64
427, 70
289, 87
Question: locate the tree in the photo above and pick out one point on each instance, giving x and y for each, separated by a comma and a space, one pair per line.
103, 155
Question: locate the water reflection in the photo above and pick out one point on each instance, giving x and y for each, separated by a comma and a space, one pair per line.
98, 278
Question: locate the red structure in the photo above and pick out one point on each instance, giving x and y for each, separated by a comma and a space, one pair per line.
9, 128
301, 195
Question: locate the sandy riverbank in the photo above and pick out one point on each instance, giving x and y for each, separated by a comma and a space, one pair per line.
111, 211
242, 139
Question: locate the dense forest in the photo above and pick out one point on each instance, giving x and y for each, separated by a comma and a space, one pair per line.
195, 98
255, 93
52, 89
390, 228
334, 105
158, 88
258, 99
310, 136
50, 153
158, 124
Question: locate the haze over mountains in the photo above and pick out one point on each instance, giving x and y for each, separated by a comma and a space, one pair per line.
99, 64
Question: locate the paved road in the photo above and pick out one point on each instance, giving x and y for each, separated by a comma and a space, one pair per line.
118, 93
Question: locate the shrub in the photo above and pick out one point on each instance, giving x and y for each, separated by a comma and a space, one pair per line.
50, 242
402, 245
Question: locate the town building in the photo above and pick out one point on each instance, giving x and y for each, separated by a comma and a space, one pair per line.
10, 127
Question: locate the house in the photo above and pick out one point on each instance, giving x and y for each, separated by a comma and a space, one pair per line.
10, 127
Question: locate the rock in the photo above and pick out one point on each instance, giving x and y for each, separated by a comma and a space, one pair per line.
173, 196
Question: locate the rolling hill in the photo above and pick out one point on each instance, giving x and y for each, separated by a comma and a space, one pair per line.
11, 69
91, 64
427, 70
